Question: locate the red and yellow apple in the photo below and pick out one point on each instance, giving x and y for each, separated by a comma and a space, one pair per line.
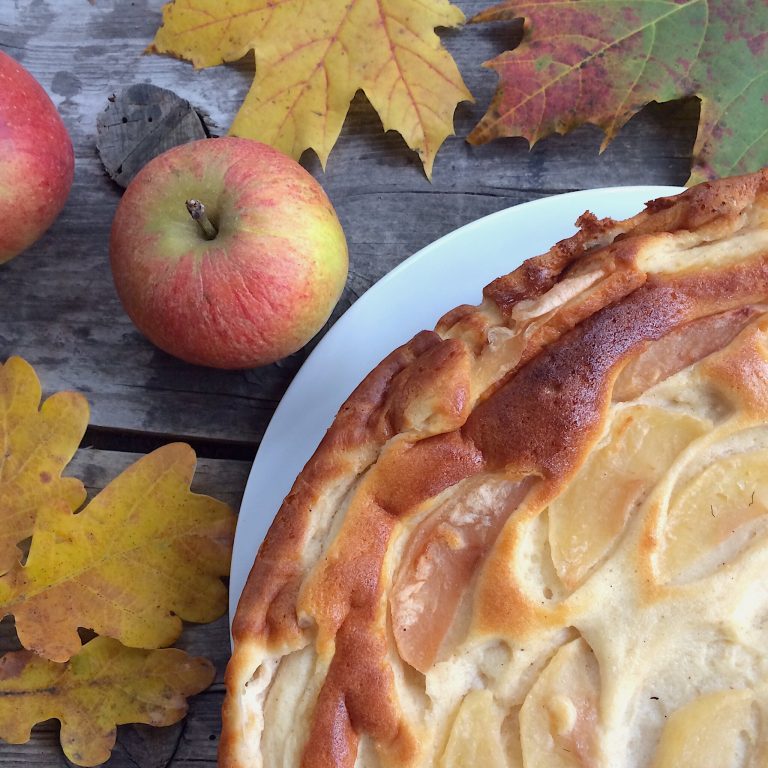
227, 253
36, 159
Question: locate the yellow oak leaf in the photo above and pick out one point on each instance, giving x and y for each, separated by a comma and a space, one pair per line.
102, 687
144, 554
36, 444
311, 59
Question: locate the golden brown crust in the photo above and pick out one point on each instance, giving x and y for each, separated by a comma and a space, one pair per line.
520, 386
269, 598
536, 276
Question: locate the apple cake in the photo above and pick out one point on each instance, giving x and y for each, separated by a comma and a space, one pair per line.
537, 537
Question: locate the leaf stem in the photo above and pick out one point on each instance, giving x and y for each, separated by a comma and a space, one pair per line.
197, 212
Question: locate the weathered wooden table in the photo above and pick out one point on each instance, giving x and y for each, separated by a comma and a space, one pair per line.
59, 310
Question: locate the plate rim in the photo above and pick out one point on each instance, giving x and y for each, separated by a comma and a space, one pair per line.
653, 190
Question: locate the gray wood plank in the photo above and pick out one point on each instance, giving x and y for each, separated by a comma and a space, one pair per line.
58, 307
195, 739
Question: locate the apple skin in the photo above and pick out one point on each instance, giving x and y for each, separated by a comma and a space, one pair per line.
37, 161
258, 291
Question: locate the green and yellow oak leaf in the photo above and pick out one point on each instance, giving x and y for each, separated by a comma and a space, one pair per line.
103, 686
144, 554
36, 444
600, 61
312, 57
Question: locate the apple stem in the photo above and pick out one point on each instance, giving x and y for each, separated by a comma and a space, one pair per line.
197, 212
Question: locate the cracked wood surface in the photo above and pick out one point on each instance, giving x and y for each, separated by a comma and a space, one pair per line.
58, 308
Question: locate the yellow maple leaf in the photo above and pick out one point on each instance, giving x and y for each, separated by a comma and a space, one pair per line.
312, 57
36, 444
143, 555
102, 687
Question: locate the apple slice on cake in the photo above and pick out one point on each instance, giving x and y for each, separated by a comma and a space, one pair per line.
536, 537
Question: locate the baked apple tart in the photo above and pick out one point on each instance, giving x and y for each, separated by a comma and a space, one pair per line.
537, 537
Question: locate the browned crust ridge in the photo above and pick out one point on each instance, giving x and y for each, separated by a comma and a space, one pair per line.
415, 427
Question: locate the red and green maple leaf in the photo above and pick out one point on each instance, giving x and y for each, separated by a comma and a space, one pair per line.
600, 61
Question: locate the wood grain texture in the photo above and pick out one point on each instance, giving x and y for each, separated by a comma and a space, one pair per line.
193, 740
58, 307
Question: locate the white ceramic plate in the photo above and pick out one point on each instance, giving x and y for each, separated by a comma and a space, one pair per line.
413, 296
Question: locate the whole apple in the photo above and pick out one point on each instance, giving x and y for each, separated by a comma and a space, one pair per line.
227, 253
36, 159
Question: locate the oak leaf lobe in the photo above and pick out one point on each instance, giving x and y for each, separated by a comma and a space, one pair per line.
144, 554
103, 686
36, 444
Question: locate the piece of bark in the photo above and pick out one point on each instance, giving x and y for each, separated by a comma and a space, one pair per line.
141, 122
